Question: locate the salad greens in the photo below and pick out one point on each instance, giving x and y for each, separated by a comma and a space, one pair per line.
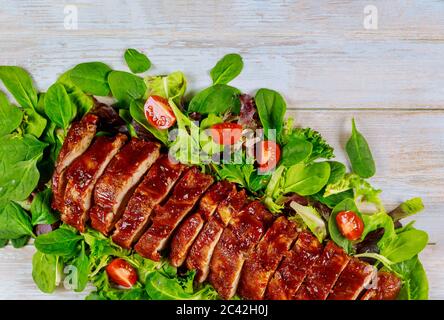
306, 184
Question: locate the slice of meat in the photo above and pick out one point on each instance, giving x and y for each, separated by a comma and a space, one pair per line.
387, 287
184, 197
154, 188
235, 245
114, 187
78, 139
324, 273
191, 226
294, 268
355, 277
261, 265
201, 251
82, 176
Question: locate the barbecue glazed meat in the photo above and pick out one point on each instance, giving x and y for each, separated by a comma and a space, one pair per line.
114, 187
294, 268
82, 176
167, 217
323, 274
387, 287
201, 251
154, 188
190, 228
355, 277
235, 245
78, 139
261, 265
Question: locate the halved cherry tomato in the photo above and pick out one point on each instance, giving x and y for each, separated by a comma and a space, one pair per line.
268, 155
226, 133
350, 225
122, 273
159, 113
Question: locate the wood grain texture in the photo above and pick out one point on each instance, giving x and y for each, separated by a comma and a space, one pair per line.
316, 53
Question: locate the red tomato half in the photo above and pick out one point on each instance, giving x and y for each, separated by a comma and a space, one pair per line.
350, 225
268, 155
159, 113
122, 273
226, 133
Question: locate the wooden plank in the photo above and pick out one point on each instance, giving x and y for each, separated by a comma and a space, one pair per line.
318, 55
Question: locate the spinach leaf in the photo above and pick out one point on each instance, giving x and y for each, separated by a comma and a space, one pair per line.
41, 210
10, 116
91, 77
172, 86
321, 149
19, 83
81, 264
20, 242
359, 154
379, 220
306, 179
34, 123
138, 114
14, 222
83, 101
407, 208
60, 242
337, 171
15, 148
227, 68
312, 219
18, 180
295, 151
58, 106
415, 283
406, 245
3, 243
271, 108
218, 99
335, 234
126, 87
334, 199
137, 61
44, 271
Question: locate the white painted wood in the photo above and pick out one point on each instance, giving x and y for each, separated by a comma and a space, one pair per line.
316, 53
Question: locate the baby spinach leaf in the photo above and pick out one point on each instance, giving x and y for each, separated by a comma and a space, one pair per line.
58, 106
10, 116
406, 245
44, 271
81, 264
138, 114
335, 234
172, 86
15, 148
34, 123
359, 154
295, 151
334, 199
18, 180
91, 77
14, 222
415, 283
60, 242
41, 208
83, 101
337, 171
306, 179
227, 68
137, 61
19, 83
218, 99
126, 87
271, 108
20, 242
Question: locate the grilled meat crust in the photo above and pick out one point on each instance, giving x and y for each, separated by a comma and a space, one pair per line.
386, 287
82, 176
294, 267
154, 188
201, 251
191, 226
235, 245
115, 186
261, 265
167, 217
77, 141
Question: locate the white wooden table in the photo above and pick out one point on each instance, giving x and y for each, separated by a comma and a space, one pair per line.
317, 53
